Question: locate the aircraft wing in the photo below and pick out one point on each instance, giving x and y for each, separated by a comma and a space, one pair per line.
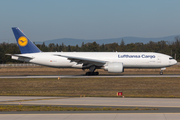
84, 61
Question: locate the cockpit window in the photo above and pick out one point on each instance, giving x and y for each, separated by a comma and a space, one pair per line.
170, 58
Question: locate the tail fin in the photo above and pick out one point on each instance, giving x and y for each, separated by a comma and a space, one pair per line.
25, 45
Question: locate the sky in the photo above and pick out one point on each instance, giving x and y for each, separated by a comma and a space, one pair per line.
44, 20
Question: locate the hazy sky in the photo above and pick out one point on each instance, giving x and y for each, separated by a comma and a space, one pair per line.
89, 19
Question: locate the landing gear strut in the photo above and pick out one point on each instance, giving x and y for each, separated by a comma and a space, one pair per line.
161, 72
92, 69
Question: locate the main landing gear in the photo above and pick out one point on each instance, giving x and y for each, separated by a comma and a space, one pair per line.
161, 72
92, 69
92, 73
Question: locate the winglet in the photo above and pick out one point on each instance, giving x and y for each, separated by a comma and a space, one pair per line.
25, 45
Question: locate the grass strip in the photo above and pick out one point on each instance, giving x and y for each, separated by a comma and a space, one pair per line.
92, 87
59, 108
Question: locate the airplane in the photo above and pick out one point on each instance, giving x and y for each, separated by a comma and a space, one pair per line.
113, 62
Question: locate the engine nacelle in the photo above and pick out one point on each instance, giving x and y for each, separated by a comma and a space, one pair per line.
114, 67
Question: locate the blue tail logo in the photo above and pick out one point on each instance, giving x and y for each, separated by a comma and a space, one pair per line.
25, 45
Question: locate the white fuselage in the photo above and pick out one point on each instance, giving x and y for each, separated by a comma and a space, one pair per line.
129, 59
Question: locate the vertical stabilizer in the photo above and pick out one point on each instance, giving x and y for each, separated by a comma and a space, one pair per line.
25, 45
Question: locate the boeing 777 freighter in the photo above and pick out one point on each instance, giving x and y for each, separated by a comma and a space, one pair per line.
113, 62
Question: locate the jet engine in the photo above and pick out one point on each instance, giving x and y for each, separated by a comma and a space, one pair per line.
114, 67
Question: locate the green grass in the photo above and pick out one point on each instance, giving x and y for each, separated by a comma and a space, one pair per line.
58, 108
92, 87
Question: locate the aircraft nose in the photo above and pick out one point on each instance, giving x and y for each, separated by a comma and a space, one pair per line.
172, 62
175, 62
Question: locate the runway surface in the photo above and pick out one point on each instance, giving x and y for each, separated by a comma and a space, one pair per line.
169, 108
92, 116
95, 101
98, 76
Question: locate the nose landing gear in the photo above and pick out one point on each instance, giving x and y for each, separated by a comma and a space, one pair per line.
161, 72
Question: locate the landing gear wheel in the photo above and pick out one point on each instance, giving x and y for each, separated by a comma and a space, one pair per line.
96, 73
161, 73
92, 73
87, 73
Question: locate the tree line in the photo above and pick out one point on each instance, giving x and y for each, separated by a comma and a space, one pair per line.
169, 48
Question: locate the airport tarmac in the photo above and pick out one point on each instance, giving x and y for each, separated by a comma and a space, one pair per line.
92, 116
94, 101
98, 76
169, 108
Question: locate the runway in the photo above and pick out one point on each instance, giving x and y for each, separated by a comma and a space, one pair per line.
93, 101
168, 108
98, 76
92, 116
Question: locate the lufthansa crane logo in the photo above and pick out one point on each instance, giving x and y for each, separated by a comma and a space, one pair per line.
22, 41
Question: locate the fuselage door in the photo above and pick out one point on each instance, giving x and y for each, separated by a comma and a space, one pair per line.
159, 59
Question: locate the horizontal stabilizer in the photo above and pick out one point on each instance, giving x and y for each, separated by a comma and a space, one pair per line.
19, 55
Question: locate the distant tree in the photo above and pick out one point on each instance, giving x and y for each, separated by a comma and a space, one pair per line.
69, 48
122, 43
83, 47
140, 47
122, 47
44, 48
51, 47
94, 47
102, 48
